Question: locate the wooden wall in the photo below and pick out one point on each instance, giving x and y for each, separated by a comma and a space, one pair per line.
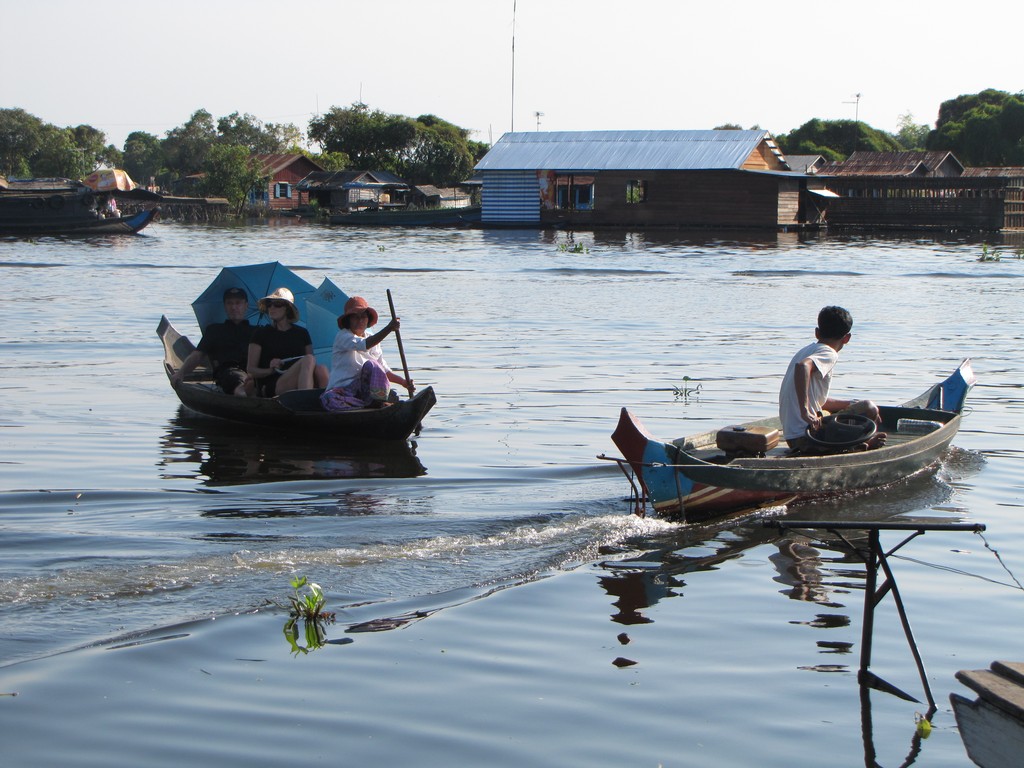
689, 199
894, 202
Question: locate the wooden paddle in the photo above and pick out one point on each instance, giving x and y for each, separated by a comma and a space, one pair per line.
398, 338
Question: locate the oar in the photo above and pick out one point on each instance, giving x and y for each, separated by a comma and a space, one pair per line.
398, 338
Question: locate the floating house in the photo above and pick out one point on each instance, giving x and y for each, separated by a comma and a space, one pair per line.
342, 191
916, 164
285, 171
809, 164
712, 179
923, 190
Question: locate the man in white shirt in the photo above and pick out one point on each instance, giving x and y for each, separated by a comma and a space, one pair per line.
804, 395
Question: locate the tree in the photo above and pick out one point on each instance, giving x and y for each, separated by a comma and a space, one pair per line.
911, 135
143, 157
330, 161
187, 146
439, 153
232, 172
260, 138
986, 128
836, 139
59, 156
372, 140
20, 137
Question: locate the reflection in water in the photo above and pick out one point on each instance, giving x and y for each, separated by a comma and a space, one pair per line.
815, 570
226, 454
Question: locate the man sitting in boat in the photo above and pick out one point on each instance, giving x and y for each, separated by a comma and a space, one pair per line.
224, 347
360, 377
281, 354
804, 396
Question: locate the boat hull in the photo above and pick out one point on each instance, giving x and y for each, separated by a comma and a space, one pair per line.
296, 413
688, 479
44, 216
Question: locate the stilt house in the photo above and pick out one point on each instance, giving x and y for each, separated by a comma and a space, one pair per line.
713, 179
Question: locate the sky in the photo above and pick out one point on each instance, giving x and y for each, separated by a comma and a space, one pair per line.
582, 64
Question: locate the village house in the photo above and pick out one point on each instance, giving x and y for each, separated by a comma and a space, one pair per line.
909, 163
341, 191
809, 164
715, 178
285, 171
923, 190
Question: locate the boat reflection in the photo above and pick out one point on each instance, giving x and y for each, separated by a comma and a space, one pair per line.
221, 453
823, 569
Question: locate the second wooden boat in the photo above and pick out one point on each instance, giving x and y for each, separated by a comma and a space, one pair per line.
694, 478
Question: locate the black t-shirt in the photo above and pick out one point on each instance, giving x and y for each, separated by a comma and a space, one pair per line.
227, 344
281, 344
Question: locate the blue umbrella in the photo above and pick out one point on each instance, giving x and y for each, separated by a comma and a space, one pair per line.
257, 280
323, 307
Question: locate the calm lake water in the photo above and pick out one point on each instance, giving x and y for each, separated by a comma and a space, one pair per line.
125, 520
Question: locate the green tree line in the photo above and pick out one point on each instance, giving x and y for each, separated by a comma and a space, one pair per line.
982, 129
986, 128
421, 150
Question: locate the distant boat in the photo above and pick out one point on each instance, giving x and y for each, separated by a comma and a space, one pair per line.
410, 217
66, 207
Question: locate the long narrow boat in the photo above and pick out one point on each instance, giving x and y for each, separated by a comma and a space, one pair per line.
693, 479
65, 207
298, 412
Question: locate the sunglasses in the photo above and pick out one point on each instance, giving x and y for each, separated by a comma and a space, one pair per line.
277, 304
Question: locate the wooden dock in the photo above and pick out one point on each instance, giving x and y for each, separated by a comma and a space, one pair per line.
992, 727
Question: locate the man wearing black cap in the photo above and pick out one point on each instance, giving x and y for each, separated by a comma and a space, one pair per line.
226, 347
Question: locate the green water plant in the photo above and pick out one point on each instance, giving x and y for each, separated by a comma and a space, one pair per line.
987, 255
689, 389
307, 601
574, 248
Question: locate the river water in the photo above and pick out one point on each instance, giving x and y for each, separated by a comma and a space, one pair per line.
121, 516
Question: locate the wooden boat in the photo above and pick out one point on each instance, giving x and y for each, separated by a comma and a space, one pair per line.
298, 411
992, 727
692, 479
64, 207
408, 217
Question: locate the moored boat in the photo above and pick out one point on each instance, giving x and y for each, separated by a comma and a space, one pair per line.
298, 412
693, 478
65, 207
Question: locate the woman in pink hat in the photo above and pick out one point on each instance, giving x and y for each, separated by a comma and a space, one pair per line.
281, 354
360, 377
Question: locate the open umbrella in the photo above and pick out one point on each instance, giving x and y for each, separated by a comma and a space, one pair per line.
108, 179
257, 280
323, 308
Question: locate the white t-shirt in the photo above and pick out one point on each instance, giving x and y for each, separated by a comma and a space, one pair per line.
347, 357
824, 359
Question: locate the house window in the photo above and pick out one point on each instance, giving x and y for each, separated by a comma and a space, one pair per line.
636, 191
575, 193
283, 189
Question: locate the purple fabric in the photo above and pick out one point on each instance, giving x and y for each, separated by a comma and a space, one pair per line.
371, 384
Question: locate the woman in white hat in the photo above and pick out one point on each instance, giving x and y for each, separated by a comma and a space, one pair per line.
281, 354
360, 377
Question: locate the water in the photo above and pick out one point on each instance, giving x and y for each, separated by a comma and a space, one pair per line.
120, 515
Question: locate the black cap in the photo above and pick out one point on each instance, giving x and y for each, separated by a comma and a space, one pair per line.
235, 293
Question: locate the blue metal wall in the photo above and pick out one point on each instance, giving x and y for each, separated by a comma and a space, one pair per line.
510, 197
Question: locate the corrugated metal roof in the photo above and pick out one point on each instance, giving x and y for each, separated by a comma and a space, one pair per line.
993, 172
908, 163
621, 150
